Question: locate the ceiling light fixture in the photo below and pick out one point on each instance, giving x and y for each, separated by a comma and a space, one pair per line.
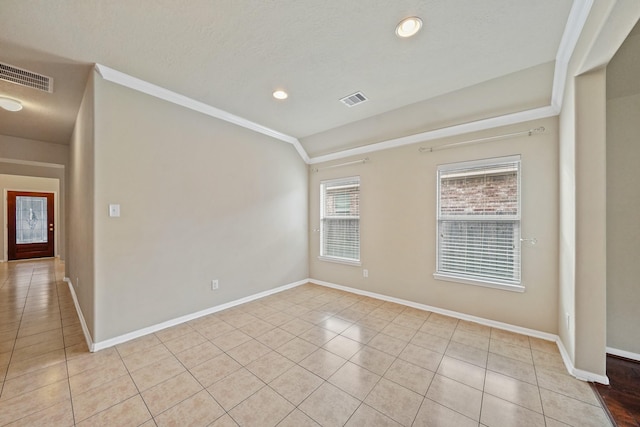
280, 94
10, 104
408, 27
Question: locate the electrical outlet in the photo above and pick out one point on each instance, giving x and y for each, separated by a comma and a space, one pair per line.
365, 273
568, 322
214, 284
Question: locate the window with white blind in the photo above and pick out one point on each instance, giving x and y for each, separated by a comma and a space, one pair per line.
479, 223
340, 220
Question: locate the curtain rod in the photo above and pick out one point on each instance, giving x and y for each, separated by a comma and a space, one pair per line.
529, 132
365, 160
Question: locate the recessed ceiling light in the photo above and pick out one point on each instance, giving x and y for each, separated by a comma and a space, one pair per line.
10, 104
280, 94
408, 27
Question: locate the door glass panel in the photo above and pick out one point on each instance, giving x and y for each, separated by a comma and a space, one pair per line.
31, 220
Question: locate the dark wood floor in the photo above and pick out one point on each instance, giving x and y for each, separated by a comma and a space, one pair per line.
622, 395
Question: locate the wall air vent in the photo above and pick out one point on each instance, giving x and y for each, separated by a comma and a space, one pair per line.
354, 99
22, 77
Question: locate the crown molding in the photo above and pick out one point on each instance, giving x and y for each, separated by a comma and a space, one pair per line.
494, 122
301, 151
578, 15
135, 83
575, 23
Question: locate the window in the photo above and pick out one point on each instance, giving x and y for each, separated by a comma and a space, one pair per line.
479, 223
31, 220
340, 220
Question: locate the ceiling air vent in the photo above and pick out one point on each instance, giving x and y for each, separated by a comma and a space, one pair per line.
354, 99
16, 75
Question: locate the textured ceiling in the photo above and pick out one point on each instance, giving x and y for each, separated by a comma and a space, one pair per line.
232, 54
46, 116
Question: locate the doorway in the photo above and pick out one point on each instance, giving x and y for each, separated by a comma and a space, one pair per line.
30, 224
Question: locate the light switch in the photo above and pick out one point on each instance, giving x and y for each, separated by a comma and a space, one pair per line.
114, 210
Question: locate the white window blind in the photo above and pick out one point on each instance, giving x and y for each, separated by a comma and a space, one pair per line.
479, 221
340, 219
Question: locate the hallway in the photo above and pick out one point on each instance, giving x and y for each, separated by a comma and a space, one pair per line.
39, 333
307, 356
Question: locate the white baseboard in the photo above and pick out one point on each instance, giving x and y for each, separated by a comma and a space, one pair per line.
578, 373
589, 376
624, 353
101, 345
83, 323
450, 313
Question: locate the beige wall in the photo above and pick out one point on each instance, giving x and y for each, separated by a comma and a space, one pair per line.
591, 248
29, 183
623, 198
249, 227
398, 228
33, 151
582, 244
623, 231
566, 223
200, 199
582, 320
80, 218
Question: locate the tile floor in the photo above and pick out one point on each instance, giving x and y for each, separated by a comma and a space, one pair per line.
305, 357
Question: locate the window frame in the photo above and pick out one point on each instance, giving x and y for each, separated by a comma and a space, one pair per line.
491, 282
323, 217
